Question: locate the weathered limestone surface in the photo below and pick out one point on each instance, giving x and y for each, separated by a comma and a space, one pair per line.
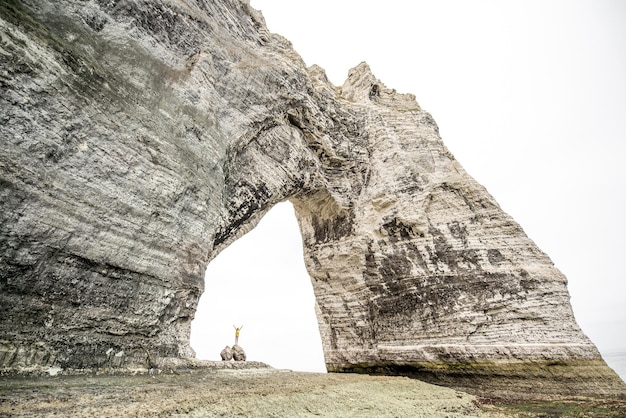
140, 138
226, 354
238, 353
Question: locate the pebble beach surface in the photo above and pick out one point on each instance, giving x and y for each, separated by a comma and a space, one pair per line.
248, 389
225, 393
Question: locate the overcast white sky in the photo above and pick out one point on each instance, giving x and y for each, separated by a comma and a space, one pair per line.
530, 96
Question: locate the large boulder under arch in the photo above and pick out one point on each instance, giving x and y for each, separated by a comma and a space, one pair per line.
141, 138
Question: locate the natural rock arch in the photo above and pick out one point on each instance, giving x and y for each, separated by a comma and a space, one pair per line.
261, 281
141, 139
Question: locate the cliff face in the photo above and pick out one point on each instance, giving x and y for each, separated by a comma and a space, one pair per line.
141, 138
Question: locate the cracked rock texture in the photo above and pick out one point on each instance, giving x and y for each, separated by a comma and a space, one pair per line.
141, 138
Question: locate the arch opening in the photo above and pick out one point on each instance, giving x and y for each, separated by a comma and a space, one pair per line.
260, 281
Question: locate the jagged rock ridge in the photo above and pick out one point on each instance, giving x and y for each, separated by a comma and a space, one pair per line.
140, 139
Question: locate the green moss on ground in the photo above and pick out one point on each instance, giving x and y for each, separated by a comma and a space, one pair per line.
562, 408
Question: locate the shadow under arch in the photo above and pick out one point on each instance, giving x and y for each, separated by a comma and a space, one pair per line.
260, 281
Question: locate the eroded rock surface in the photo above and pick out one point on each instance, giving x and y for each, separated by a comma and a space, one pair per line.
141, 138
238, 353
226, 354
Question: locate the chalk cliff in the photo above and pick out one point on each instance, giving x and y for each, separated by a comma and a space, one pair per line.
140, 138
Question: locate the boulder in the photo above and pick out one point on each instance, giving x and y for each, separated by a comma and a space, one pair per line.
238, 353
226, 354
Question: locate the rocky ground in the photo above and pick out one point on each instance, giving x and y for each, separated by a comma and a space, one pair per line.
264, 392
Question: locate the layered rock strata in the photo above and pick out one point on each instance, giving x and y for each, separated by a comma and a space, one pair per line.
141, 138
